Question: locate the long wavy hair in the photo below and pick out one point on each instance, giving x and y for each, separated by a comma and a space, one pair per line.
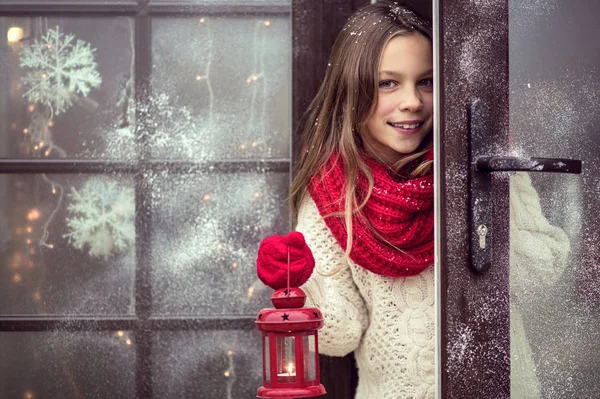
335, 119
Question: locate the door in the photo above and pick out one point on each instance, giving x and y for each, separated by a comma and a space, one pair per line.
519, 280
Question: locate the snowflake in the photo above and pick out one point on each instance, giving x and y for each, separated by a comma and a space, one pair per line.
59, 68
102, 217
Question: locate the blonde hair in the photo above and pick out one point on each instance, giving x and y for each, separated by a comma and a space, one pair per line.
345, 101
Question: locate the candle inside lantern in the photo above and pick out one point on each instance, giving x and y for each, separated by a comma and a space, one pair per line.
289, 375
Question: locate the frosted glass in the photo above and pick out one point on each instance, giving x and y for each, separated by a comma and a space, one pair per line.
555, 273
224, 91
91, 365
205, 239
214, 364
41, 115
67, 244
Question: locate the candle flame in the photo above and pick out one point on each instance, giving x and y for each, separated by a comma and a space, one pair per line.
290, 368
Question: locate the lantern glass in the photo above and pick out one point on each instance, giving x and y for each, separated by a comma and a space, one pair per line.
286, 359
267, 358
310, 370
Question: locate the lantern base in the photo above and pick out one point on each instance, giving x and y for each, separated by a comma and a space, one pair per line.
291, 393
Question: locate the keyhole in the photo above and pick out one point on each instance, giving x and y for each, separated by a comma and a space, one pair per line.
482, 230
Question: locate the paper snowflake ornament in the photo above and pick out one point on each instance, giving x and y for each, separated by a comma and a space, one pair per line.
58, 69
101, 217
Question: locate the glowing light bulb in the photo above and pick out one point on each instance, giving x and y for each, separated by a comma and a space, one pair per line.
234, 265
198, 77
254, 144
202, 20
250, 291
35, 148
47, 153
267, 23
128, 342
50, 123
25, 131
257, 194
14, 34
226, 374
120, 334
243, 147
33, 214
53, 190
17, 278
206, 197
44, 76
229, 353
28, 395
51, 246
28, 241
31, 108
29, 229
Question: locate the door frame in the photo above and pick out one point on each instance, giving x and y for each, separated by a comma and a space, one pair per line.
473, 333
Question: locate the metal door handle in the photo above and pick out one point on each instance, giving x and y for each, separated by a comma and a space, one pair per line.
480, 195
516, 164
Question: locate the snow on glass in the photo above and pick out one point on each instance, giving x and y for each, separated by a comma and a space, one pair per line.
554, 102
204, 105
101, 217
58, 69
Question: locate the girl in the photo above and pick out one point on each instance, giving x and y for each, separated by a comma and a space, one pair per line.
366, 168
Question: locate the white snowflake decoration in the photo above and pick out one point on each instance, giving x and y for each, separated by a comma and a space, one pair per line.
58, 69
101, 217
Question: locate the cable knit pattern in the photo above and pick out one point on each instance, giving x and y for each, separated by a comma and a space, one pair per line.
389, 322
399, 211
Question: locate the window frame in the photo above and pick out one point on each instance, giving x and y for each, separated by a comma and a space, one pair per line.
314, 28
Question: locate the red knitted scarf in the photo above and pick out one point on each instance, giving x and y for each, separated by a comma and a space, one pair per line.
400, 212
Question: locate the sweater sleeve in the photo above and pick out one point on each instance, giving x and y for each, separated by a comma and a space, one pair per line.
538, 250
336, 295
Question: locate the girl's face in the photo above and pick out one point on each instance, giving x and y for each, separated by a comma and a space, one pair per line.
404, 112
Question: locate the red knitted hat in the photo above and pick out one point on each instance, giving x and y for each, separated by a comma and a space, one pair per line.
272, 260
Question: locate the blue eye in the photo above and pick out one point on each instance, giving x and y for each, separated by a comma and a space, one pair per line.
387, 84
425, 82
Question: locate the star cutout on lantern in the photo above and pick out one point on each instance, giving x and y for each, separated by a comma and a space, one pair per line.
285, 317
316, 315
260, 316
285, 292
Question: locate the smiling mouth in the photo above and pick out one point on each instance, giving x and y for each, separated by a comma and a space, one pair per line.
406, 125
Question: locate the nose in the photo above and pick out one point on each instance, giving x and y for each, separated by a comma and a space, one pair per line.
410, 100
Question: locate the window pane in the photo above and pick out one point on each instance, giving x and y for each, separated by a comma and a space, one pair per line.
74, 110
67, 244
208, 364
286, 359
67, 365
205, 234
224, 91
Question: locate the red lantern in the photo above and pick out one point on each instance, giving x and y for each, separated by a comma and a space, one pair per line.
290, 347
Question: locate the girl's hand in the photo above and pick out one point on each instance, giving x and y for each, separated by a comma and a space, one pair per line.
272, 260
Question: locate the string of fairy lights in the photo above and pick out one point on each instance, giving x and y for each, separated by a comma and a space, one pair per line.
37, 141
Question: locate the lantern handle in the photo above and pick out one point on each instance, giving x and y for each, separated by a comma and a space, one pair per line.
288, 272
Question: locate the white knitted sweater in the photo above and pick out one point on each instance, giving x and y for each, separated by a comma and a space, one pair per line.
388, 322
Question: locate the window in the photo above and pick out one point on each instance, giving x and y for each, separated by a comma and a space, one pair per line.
145, 152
